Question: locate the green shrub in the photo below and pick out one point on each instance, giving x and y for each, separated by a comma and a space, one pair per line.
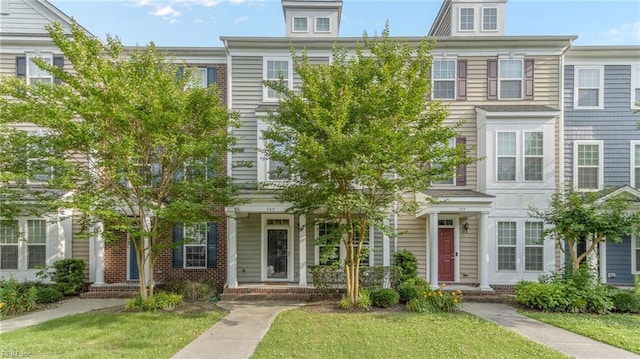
193, 291
409, 289
364, 302
408, 263
16, 298
384, 298
47, 294
160, 301
68, 274
435, 300
332, 278
626, 301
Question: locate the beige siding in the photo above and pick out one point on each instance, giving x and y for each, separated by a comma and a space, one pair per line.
469, 251
27, 17
79, 245
414, 239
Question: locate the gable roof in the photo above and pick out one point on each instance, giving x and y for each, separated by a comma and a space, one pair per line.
26, 19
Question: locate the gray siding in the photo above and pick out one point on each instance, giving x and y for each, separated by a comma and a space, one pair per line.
28, 17
619, 262
616, 124
248, 245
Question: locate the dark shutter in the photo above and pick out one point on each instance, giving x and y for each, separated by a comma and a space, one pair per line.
212, 75
528, 79
212, 245
178, 249
58, 61
461, 171
462, 79
492, 79
21, 66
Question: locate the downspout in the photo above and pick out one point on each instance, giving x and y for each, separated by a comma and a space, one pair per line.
229, 131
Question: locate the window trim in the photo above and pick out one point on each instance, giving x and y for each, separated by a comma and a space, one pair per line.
521, 79
482, 28
31, 55
342, 251
264, 226
23, 244
473, 19
454, 79
265, 90
576, 87
635, 84
632, 162
515, 156
540, 245
453, 142
293, 24
185, 245
315, 24
498, 246
600, 145
525, 156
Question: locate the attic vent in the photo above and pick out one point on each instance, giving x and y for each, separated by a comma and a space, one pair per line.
278, 222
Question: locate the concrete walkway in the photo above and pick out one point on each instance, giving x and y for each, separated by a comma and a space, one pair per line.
237, 335
569, 343
70, 307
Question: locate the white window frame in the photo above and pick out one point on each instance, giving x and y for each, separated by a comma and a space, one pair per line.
635, 165
23, 244
454, 79
27, 235
293, 24
514, 246
525, 157
193, 245
41, 74
576, 145
483, 22
521, 78
201, 74
315, 24
289, 79
635, 254
473, 19
263, 160
342, 251
50, 173
539, 245
451, 182
263, 244
514, 156
576, 87
635, 84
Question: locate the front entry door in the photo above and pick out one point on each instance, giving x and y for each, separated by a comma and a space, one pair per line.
446, 257
277, 253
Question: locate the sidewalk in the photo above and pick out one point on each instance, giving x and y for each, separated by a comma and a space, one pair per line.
569, 343
237, 335
71, 307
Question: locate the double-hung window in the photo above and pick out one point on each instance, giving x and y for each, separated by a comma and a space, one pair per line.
533, 246
507, 240
364, 237
588, 87
510, 72
635, 87
323, 24
635, 254
450, 181
635, 164
39, 170
328, 253
300, 24
195, 247
9, 244
34, 73
467, 17
444, 79
276, 170
36, 243
276, 69
533, 156
506, 161
489, 19
588, 163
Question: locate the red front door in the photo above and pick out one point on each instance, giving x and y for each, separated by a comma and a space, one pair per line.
445, 254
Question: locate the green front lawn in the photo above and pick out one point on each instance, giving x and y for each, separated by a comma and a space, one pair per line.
619, 330
305, 334
110, 335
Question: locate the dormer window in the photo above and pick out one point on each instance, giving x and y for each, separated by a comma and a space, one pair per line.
489, 19
466, 19
300, 24
323, 24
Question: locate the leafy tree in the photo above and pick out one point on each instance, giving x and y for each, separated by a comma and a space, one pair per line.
574, 217
139, 147
359, 135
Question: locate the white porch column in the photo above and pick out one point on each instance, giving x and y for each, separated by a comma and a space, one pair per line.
232, 251
602, 255
433, 250
99, 254
302, 246
386, 252
484, 252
